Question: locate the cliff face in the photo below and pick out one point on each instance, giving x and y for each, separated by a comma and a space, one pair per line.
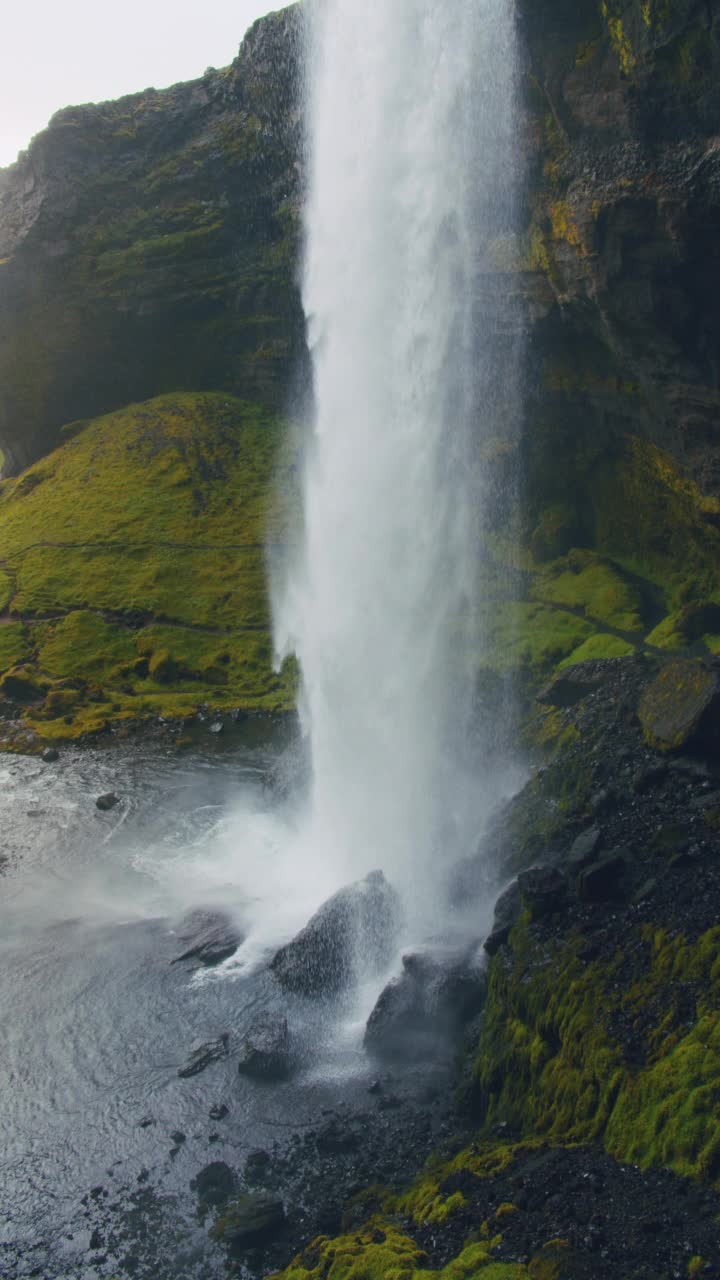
149, 245
624, 215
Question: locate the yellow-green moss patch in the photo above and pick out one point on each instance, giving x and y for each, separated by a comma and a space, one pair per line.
136, 564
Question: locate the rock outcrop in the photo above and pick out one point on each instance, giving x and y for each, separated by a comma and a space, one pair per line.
149, 245
353, 934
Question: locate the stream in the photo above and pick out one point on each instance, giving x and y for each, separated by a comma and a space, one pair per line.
96, 1018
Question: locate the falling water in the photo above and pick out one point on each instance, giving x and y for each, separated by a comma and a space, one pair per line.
410, 109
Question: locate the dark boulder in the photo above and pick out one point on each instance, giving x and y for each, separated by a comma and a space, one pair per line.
679, 709
602, 880
209, 936
584, 848
251, 1219
202, 1054
507, 912
50, 755
425, 1009
543, 891
265, 1049
107, 801
353, 933
214, 1185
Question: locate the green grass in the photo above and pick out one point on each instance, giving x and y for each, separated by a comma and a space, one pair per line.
134, 564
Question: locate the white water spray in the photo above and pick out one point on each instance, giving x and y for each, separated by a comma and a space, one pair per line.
410, 152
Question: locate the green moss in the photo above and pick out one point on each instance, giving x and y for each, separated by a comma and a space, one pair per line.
14, 646
531, 636
601, 645
651, 520
583, 580
379, 1250
548, 1062
159, 514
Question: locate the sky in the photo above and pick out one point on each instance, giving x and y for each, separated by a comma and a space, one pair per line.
55, 55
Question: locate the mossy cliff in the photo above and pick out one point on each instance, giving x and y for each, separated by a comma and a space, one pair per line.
133, 573
610, 290
590, 1146
149, 245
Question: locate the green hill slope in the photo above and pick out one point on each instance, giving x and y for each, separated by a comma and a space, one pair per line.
133, 569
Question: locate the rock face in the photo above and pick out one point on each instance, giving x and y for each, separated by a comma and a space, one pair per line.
149, 245
424, 1010
353, 932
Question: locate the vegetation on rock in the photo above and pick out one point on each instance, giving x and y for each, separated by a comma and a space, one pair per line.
135, 560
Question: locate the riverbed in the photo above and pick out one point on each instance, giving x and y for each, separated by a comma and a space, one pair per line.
100, 1139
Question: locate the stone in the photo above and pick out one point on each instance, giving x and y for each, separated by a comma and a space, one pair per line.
202, 1054
507, 912
543, 891
251, 1219
584, 848
601, 881
354, 932
107, 801
265, 1048
680, 707
424, 1010
216, 727
50, 755
210, 937
178, 1137
214, 1185
218, 1111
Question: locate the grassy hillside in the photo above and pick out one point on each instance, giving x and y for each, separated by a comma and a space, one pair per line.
133, 568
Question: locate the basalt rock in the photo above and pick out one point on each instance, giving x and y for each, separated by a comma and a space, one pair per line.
202, 1054
265, 1048
354, 932
424, 1010
681, 708
209, 937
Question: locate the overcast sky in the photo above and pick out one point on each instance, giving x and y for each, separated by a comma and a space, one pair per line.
56, 54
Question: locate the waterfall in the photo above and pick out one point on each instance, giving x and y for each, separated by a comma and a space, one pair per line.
410, 146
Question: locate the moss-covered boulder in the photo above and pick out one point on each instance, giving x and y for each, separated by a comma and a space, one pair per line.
680, 705
135, 558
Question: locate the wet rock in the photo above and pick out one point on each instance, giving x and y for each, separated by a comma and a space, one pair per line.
202, 1054
209, 936
543, 891
107, 801
50, 755
265, 1049
336, 1136
680, 707
178, 1137
257, 1166
214, 1185
507, 912
603, 879
250, 1219
424, 1010
218, 1111
584, 848
354, 930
